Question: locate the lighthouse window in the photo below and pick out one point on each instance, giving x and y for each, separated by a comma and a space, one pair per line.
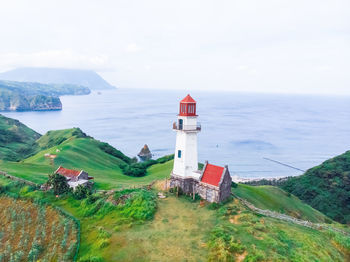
179, 153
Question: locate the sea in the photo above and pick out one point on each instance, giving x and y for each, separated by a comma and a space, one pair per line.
256, 135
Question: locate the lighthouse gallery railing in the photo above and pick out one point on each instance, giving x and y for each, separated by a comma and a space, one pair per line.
197, 127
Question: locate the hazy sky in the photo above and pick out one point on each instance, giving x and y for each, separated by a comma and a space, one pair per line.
246, 45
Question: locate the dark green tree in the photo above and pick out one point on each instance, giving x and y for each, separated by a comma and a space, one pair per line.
59, 184
81, 192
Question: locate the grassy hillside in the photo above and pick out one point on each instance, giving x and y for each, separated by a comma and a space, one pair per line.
33, 232
76, 150
182, 230
325, 187
273, 198
17, 141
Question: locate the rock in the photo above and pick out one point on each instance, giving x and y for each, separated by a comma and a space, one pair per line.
161, 195
145, 153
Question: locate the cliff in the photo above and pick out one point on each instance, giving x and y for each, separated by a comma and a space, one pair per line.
27, 96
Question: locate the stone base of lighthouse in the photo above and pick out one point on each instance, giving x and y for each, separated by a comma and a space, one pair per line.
187, 185
192, 185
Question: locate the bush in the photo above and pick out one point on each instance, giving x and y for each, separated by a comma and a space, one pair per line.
140, 206
164, 159
59, 184
223, 245
81, 192
105, 147
139, 169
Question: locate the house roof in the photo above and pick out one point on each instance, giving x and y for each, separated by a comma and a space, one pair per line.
67, 172
188, 99
212, 174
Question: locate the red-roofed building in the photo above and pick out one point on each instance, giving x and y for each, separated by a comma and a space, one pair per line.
74, 177
215, 183
212, 174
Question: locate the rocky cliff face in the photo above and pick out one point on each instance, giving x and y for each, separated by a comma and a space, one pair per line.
18, 102
28, 96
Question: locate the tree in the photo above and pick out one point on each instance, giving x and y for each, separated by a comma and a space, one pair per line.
81, 192
59, 184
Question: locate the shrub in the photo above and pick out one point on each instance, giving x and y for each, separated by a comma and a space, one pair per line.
164, 159
105, 147
81, 192
223, 245
102, 243
103, 233
140, 206
58, 183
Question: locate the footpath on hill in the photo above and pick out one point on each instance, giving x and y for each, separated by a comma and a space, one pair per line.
287, 218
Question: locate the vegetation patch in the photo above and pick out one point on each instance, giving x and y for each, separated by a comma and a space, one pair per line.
274, 198
258, 238
17, 141
31, 231
325, 187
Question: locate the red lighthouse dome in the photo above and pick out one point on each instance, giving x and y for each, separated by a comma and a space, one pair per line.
187, 106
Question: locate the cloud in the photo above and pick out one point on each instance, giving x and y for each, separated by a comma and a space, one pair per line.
242, 67
65, 58
133, 48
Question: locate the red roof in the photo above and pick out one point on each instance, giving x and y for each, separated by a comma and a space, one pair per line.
67, 172
188, 99
212, 174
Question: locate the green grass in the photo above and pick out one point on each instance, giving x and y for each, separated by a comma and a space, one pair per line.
32, 172
16, 140
83, 153
325, 187
182, 230
262, 238
274, 198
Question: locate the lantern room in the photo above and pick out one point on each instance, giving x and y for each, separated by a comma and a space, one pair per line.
187, 106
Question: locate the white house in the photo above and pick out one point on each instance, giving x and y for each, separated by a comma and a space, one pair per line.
74, 177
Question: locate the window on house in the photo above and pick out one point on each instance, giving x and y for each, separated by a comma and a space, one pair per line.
179, 153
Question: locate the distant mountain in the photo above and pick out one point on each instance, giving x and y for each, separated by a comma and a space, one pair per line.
86, 78
325, 187
27, 96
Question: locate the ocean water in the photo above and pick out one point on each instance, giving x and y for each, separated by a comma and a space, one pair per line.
241, 130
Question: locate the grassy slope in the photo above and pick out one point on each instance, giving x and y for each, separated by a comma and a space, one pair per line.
33, 226
177, 231
274, 198
268, 239
325, 187
181, 231
16, 140
77, 151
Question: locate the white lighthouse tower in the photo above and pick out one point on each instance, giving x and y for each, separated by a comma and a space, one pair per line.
186, 155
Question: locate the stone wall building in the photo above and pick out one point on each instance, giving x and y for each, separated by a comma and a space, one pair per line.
213, 185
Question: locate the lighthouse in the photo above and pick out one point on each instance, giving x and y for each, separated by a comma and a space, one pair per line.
187, 128
212, 183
